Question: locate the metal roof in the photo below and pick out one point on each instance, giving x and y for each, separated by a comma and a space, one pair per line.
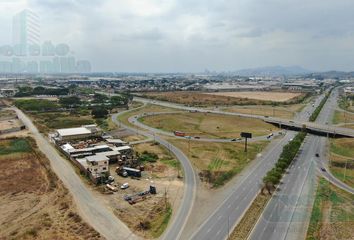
73, 131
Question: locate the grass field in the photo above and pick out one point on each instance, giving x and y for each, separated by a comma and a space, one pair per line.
287, 112
342, 160
343, 117
147, 109
208, 124
34, 204
218, 162
49, 121
203, 99
262, 96
332, 214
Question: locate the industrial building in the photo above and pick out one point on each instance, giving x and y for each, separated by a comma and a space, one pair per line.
82, 132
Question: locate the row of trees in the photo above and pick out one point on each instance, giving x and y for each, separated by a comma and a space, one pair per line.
98, 100
288, 154
317, 111
29, 91
38, 105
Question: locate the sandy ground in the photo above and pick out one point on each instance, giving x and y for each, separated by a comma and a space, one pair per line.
163, 176
8, 124
34, 204
265, 96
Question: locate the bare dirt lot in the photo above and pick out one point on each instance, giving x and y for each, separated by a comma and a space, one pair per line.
262, 96
34, 204
203, 99
287, 111
154, 211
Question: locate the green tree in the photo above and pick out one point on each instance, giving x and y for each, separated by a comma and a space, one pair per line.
99, 112
71, 101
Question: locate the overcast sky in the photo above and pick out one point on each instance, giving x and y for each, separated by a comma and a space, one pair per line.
193, 35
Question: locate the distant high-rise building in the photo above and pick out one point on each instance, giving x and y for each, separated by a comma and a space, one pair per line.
25, 32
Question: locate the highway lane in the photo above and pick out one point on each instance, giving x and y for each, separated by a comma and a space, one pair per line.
177, 224
90, 207
284, 218
287, 204
227, 215
230, 212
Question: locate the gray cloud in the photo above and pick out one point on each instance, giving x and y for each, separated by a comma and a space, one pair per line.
191, 35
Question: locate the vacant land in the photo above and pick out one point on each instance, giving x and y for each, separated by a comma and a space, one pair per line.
34, 204
6, 114
342, 160
150, 217
262, 96
218, 162
147, 109
219, 99
343, 117
287, 112
332, 214
208, 124
245, 226
47, 122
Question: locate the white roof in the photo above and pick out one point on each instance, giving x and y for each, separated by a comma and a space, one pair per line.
67, 147
115, 141
73, 131
122, 148
109, 153
96, 158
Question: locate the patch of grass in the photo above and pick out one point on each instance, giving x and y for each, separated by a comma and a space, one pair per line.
287, 111
208, 124
14, 146
159, 224
332, 214
49, 121
147, 109
218, 162
342, 117
343, 147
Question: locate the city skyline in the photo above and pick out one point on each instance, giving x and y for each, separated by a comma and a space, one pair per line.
28, 54
181, 36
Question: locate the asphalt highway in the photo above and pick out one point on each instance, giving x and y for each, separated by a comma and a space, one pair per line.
288, 213
178, 223
229, 213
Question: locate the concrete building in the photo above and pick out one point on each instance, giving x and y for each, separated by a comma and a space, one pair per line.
25, 32
97, 165
84, 131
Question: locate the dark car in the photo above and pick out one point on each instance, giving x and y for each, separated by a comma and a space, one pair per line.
233, 140
317, 155
323, 169
197, 137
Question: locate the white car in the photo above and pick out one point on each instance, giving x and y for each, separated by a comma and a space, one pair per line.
124, 186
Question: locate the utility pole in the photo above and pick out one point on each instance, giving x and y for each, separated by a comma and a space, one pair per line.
345, 169
245, 144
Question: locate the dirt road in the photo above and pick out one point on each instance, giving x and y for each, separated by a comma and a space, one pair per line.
93, 211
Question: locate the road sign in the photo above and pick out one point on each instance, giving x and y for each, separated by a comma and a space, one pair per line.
246, 135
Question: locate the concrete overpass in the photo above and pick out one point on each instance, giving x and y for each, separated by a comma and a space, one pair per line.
311, 127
